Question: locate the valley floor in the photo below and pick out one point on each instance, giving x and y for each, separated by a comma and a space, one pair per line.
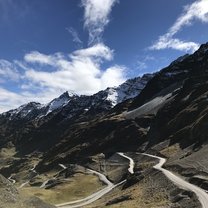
141, 185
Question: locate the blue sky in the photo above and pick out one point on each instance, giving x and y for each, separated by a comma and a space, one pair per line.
83, 46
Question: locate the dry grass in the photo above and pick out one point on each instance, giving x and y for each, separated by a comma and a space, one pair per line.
7, 152
171, 150
78, 187
146, 165
141, 197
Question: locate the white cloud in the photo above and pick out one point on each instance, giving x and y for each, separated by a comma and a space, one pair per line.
174, 43
9, 100
113, 76
46, 76
8, 71
81, 72
36, 57
96, 17
97, 51
195, 11
75, 35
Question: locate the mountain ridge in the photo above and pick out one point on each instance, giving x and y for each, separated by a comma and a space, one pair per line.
167, 118
111, 96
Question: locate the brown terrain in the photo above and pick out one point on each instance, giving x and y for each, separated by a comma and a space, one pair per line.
49, 157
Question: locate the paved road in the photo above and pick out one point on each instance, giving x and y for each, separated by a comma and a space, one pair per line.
12, 180
92, 197
201, 194
101, 177
43, 185
23, 184
33, 169
98, 194
62, 166
131, 162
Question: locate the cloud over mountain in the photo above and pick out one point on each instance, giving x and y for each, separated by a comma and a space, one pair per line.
197, 11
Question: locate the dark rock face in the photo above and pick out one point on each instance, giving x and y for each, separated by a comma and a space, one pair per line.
184, 119
183, 198
179, 70
118, 200
85, 122
199, 181
103, 135
103, 100
133, 179
36, 127
75, 128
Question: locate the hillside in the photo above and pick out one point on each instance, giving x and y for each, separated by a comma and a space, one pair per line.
48, 149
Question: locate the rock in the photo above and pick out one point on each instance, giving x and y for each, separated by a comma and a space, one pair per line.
119, 199
132, 179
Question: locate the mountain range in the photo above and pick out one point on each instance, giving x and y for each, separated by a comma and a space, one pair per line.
164, 114
105, 99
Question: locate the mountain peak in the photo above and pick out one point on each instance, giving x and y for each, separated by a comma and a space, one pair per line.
24, 110
59, 102
64, 95
202, 49
105, 99
129, 89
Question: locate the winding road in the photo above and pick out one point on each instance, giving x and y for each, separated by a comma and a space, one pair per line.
95, 196
11, 180
23, 184
131, 162
43, 185
33, 171
201, 194
92, 197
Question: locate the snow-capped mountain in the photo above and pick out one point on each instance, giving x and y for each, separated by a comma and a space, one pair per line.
103, 100
129, 89
57, 103
29, 110
36, 110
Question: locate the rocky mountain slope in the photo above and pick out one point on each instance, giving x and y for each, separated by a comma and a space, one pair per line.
168, 117
33, 120
10, 197
104, 99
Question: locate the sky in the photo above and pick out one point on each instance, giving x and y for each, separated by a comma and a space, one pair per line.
84, 46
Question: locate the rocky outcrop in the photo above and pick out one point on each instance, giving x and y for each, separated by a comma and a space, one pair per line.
10, 197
